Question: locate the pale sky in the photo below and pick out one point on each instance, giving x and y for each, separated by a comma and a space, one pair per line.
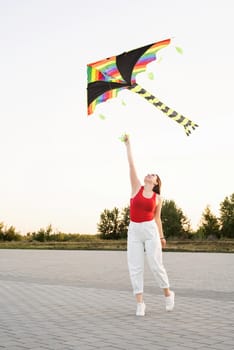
59, 166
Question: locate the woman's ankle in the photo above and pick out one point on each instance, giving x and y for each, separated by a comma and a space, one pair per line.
139, 298
167, 292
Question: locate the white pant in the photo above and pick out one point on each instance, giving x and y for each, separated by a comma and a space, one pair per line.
144, 236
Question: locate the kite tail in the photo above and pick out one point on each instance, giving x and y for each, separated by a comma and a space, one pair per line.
185, 122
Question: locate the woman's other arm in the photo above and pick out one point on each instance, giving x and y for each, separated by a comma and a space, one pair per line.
159, 221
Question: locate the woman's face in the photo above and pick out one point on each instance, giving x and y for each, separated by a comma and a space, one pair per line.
151, 178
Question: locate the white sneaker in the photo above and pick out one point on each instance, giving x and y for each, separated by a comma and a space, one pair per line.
140, 311
170, 301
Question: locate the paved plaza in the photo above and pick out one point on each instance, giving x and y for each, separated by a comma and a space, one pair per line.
82, 300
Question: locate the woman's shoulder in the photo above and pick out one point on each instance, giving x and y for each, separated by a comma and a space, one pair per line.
159, 199
136, 191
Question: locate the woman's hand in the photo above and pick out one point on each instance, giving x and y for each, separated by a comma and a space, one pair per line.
126, 139
163, 242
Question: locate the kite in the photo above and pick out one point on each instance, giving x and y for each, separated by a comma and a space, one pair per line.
111, 75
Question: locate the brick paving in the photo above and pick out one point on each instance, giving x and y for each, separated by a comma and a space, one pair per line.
82, 300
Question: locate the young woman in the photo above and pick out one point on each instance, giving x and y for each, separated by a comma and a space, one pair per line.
145, 233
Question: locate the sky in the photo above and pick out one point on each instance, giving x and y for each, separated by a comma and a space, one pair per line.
62, 167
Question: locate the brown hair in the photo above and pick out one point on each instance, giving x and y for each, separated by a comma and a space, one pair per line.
157, 188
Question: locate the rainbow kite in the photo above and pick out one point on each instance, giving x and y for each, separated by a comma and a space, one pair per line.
111, 75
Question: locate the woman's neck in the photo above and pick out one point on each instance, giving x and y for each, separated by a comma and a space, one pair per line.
148, 188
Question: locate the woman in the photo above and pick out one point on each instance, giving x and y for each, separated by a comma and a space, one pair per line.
145, 233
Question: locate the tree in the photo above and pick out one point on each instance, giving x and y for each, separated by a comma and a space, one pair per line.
227, 217
1, 231
114, 223
9, 234
124, 222
108, 227
175, 223
209, 227
43, 235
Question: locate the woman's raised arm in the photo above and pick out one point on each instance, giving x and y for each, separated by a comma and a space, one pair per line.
135, 182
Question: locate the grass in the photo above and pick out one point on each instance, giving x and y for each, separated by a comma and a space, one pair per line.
219, 246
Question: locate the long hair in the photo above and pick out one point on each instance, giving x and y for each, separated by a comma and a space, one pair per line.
157, 188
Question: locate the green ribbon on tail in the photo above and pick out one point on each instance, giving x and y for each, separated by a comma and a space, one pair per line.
171, 113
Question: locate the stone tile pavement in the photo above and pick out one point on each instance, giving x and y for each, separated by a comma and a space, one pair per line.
82, 300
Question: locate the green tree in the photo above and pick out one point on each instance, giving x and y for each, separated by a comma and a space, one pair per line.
43, 235
124, 222
108, 227
227, 217
209, 227
1, 231
175, 223
10, 234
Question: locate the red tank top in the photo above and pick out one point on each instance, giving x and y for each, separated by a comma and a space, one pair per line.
142, 208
